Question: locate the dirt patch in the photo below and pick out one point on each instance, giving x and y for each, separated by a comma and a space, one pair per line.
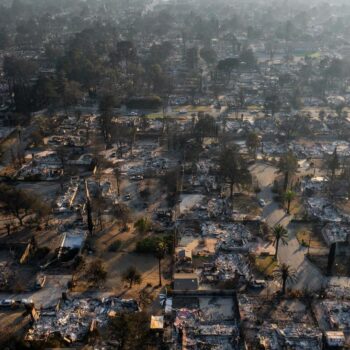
246, 205
308, 238
265, 265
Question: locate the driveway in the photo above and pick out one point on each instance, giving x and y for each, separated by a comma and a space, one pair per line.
307, 275
272, 212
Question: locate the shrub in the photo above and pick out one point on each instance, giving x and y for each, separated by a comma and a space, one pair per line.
68, 254
149, 102
41, 252
96, 272
146, 246
78, 262
115, 246
257, 189
143, 225
145, 193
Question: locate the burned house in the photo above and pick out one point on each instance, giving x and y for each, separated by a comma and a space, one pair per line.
337, 234
73, 319
205, 319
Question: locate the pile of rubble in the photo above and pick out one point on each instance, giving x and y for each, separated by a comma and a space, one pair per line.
323, 210
292, 336
192, 329
45, 165
229, 265
335, 232
235, 236
74, 318
65, 202
338, 288
314, 184
336, 314
216, 207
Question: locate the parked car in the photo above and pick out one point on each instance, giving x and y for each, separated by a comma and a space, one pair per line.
7, 303
262, 202
136, 177
25, 301
258, 284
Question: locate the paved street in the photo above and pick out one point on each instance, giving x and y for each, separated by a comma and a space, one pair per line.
47, 296
308, 276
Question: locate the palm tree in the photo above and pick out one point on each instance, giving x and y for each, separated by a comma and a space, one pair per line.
160, 253
280, 234
131, 276
284, 273
288, 197
288, 165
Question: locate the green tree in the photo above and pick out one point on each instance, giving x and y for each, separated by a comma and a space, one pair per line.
131, 276
160, 253
96, 272
287, 165
234, 169
205, 127
20, 203
284, 274
228, 65
4, 38
322, 114
339, 110
272, 104
331, 163
279, 234
131, 330
19, 73
253, 143
72, 93
143, 225
208, 55
46, 94
247, 56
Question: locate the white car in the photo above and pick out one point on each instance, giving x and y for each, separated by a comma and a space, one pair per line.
5, 303
26, 301
262, 202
